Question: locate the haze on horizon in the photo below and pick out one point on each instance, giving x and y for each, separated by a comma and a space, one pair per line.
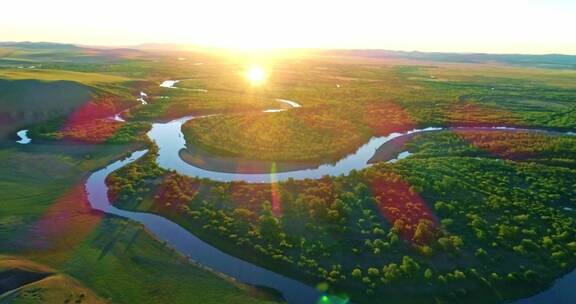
491, 26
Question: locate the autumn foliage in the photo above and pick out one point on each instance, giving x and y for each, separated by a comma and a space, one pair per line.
403, 207
388, 117
91, 123
518, 145
473, 115
175, 190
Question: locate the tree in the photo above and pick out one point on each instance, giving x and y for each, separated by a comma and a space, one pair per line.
409, 266
451, 243
373, 272
428, 274
242, 219
356, 273
269, 224
425, 232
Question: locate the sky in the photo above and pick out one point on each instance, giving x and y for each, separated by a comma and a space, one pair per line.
491, 26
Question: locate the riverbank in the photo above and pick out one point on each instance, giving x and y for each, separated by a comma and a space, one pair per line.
160, 133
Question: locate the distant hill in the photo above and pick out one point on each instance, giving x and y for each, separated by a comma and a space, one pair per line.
46, 52
39, 45
557, 61
546, 61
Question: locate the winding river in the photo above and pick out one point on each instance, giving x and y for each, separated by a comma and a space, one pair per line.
191, 246
170, 141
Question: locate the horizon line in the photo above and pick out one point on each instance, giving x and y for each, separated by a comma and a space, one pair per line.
260, 49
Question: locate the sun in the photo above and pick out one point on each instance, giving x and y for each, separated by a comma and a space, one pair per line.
256, 75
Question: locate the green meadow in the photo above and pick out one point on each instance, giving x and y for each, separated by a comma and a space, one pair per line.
470, 216
111, 257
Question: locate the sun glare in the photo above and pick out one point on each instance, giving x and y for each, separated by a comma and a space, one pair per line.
256, 75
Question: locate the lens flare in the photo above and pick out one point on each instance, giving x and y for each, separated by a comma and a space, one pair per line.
276, 207
256, 75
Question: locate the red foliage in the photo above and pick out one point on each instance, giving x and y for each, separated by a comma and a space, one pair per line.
90, 122
474, 115
175, 190
387, 117
400, 205
516, 145
93, 132
250, 196
322, 188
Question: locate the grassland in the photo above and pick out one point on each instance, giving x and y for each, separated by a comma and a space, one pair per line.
445, 227
57, 75
277, 136
475, 217
37, 283
419, 227
45, 218
378, 97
